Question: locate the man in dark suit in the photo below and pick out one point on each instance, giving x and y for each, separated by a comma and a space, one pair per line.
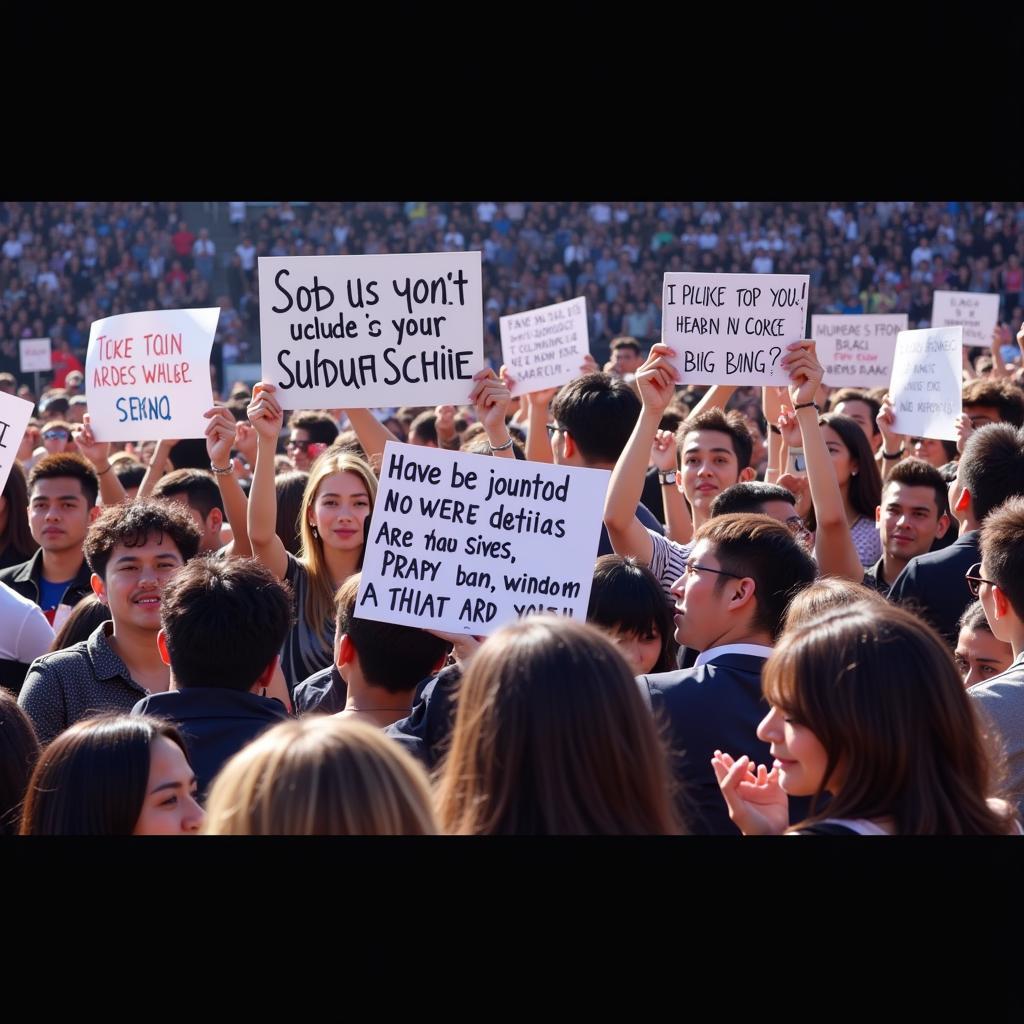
741, 574
991, 470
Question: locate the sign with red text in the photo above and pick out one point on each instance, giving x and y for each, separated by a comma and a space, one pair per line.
35, 355
147, 375
856, 351
14, 416
925, 389
976, 312
733, 328
361, 332
467, 543
545, 347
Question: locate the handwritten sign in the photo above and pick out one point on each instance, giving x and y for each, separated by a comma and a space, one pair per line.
856, 351
733, 328
467, 543
976, 312
14, 416
360, 332
35, 355
925, 388
147, 375
545, 347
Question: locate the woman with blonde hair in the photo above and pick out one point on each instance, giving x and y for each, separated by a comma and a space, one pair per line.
335, 512
321, 777
552, 737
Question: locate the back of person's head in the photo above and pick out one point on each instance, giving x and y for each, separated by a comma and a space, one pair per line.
347, 443
16, 533
92, 779
134, 524
918, 473
395, 658
1000, 395
824, 594
731, 423
224, 621
423, 429
66, 464
19, 751
599, 412
626, 598
290, 487
992, 466
865, 488
88, 614
749, 496
129, 472
55, 404
321, 776
319, 425
1002, 551
197, 486
764, 549
881, 693
552, 737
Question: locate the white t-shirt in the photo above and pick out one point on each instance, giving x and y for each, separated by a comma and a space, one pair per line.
24, 632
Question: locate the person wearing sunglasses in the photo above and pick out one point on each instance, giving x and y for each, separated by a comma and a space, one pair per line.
997, 581
56, 437
311, 433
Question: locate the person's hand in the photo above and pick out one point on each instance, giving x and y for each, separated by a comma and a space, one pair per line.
444, 421
964, 429
805, 372
246, 441
490, 397
85, 441
886, 420
590, 365
539, 399
797, 486
220, 436
464, 646
265, 413
789, 428
656, 379
758, 806
664, 453
772, 400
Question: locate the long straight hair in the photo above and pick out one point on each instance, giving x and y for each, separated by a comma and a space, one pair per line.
16, 534
881, 693
552, 737
865, 489
320, 596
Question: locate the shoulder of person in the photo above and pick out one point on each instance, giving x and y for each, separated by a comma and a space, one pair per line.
57, 663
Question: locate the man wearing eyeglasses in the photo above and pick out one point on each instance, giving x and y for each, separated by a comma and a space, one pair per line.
998, 582
311, 433
740, 576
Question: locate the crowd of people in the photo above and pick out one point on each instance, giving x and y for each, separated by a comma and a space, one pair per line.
799, 622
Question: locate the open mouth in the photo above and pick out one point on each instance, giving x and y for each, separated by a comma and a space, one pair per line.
150, 600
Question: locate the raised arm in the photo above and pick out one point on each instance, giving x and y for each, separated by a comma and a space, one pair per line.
267, 418
372, 434
220, 436
893, 445
98, 453
490, 398
665, 458
155, 469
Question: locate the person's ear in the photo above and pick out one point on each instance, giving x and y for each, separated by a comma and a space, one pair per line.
161, 646
747, 474
1000, 603
568, 445
964, 501
99, 588
346, 651
94, 512
214, 520
878, 516
743, 593
943, 526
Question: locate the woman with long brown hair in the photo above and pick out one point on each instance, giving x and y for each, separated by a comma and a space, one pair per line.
552, 737
867, 706
17, 544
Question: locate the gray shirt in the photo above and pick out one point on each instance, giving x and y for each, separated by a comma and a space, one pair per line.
1001, 700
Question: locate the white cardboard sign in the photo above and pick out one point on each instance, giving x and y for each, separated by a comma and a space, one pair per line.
467, 543
14, 416
925, 389
856, 351
35, 355
976, 312
359, 332
545, 347
733, 328
147, 375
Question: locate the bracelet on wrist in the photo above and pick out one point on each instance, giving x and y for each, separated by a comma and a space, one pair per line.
894, 455
808, 405
220, 472
501, 447
100, 472
774, 429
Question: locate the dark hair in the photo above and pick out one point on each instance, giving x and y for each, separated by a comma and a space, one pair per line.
880, 691
857, 395
552, 737
392, 657
88, 614
424, 427
16, 535
1002, 550
825, 593
731, 423
347, 443
627, 597
749, 496
973, 619
1006, 398
320, 427
67, 464
224, 622
19, 751
865, 489
198, 485
762, 548
918, 473
992, 466
599, 411
290, 488
626, 342
132, 524
129, 472
91, 780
